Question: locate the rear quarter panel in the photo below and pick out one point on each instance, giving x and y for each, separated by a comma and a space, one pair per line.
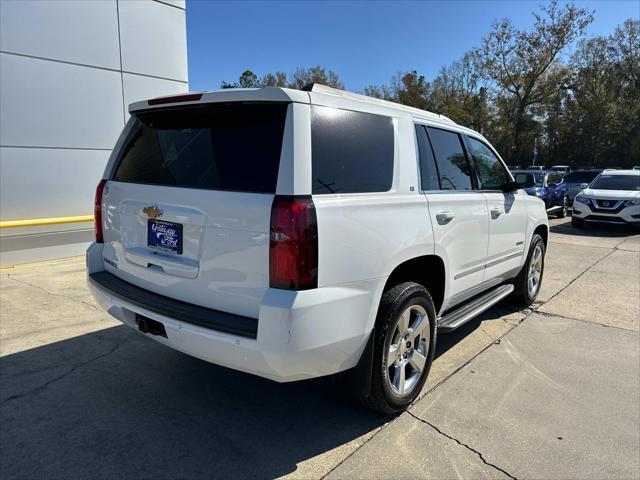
365, 236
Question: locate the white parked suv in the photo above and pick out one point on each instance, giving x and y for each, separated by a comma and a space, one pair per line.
612, 198
294, 234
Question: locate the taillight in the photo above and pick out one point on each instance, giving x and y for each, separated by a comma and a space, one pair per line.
293, 247
97, 211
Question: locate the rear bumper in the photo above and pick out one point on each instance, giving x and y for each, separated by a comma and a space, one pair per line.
299, 335
167, 307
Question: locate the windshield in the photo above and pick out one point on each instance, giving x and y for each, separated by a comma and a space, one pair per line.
580, 177
617, 182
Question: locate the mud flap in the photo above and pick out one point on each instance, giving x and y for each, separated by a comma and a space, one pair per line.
362, 372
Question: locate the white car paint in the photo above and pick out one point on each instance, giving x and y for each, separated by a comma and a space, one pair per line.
621, 205
363, 237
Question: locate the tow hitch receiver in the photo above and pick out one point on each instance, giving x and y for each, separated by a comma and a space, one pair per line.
152, 327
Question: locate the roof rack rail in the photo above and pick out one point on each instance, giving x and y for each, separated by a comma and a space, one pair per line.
320, 88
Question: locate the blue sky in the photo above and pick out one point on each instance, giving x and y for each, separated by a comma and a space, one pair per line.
364, 42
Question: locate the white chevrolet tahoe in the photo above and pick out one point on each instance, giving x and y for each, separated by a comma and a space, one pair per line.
294, 234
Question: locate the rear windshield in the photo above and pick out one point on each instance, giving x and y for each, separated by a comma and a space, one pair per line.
220, 147
580, 177
616, 182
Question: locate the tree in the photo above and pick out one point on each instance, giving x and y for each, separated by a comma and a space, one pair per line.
300, 78
460, 92
517, 90
413, 90
277, 79
625, 50
317, 74
248, 79
523, 64
383, 92
600, 110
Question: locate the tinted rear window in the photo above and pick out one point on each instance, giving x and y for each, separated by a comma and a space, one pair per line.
453, 167
428, 169
351, 152
220, 147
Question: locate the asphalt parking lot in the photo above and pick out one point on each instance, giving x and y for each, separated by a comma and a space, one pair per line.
550, 392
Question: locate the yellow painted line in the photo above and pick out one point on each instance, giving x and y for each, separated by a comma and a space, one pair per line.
36, 222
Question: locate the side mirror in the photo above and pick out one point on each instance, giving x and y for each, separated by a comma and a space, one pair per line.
583, 186
510, 186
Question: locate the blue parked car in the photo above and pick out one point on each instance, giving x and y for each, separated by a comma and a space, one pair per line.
548, 186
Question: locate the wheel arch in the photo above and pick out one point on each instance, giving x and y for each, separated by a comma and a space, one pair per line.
543, 231
427, 270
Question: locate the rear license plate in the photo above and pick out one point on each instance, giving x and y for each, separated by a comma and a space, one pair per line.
164, 236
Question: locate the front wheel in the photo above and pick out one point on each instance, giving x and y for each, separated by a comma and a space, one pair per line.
527, 283
577, 222
403, 348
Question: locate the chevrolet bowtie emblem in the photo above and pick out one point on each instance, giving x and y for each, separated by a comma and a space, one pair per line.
153, 211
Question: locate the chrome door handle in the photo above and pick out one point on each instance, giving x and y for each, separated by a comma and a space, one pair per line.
495, 213
444, 217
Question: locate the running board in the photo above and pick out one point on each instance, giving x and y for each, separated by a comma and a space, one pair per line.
467, 311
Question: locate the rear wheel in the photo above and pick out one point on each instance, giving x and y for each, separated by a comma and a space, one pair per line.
565, 208
403, 348
527, 283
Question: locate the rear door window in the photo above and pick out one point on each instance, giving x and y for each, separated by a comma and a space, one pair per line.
219, 147
352, 152
428, 170
453, 166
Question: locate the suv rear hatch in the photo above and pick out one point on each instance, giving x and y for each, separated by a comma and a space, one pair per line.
186, 210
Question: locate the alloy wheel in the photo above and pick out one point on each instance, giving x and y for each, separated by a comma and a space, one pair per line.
407, 350
535, 271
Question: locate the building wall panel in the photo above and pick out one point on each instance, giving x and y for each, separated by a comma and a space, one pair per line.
43, 183
68, 70
83, 32
51, 104
153, 39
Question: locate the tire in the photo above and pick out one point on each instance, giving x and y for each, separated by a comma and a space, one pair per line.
389, 394
523, 294
577, 222
565, 208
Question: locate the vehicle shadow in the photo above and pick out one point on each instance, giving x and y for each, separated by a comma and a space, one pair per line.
113, 404
449, 340
593, 230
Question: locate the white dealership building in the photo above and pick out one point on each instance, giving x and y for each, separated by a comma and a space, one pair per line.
68, 70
